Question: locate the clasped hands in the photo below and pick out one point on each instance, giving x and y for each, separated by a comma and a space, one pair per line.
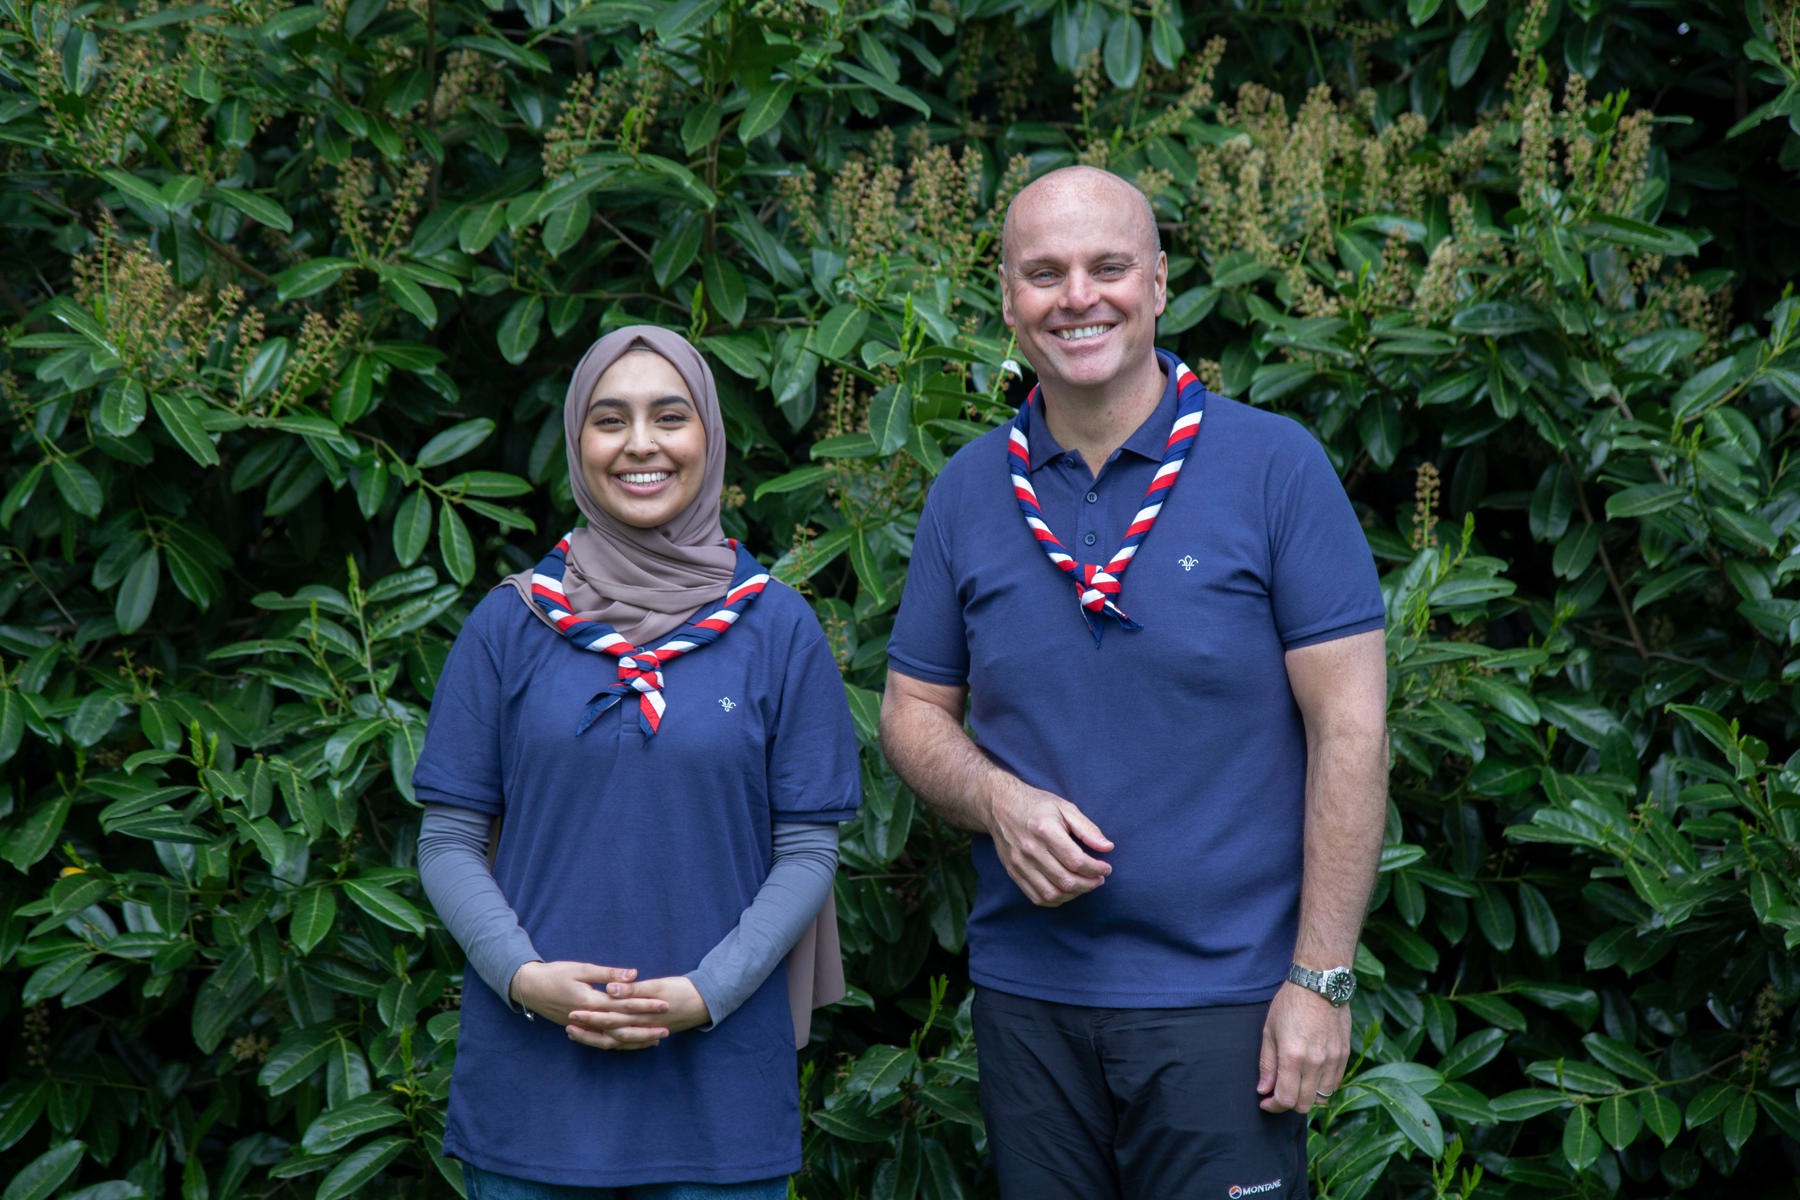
609, 1008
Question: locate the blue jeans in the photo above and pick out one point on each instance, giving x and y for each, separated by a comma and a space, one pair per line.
489, 1185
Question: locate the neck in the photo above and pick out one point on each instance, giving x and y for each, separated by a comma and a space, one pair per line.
1094, 423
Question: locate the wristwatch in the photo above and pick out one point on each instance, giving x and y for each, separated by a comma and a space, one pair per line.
1336, 984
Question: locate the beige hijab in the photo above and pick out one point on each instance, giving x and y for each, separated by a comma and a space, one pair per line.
647, 582
644, 582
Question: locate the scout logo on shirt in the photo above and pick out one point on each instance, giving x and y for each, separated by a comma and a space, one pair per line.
1237, 1190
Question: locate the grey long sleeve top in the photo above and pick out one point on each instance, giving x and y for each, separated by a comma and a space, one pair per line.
453, 867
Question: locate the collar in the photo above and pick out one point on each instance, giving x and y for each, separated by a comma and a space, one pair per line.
1147, 441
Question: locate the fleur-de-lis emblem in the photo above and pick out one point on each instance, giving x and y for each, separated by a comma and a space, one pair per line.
727, 703
1188, 562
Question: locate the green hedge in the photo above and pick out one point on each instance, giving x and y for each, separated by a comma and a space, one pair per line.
292, 294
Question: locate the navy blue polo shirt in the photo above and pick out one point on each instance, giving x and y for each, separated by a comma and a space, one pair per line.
640, 853
1181, 740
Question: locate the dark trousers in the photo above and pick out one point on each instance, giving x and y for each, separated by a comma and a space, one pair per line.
1131, 1104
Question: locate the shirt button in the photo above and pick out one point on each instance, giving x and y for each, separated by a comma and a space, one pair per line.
1088, 540
1092, 496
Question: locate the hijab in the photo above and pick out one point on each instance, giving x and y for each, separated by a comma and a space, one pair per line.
644, 582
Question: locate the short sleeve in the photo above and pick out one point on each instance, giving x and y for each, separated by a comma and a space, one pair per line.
928, 642
813, 772
460, 762
1324, 583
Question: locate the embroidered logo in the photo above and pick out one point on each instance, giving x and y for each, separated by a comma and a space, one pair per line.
1188, 562
1237, 1190
727, 703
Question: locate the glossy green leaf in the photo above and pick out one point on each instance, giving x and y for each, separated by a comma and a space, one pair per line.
454, 442
455, 545
137, 591
359, 1167
412, 527
77, 486
391, 910
40, 1178
519, 328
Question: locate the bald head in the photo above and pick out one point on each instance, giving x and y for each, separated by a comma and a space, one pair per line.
1085, 186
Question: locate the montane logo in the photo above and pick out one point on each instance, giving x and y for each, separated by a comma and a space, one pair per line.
1236, 1190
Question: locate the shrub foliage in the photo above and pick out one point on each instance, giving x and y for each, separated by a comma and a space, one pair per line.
292, 292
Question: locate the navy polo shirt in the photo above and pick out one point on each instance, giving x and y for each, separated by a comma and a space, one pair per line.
1181, 740
640, 853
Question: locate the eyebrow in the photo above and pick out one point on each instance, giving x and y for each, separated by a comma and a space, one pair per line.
669, 401
1050, 260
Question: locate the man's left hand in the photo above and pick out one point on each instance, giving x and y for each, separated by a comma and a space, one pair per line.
1305, 1044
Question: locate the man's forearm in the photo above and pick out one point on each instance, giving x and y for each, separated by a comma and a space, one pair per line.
930, 750
1346, 812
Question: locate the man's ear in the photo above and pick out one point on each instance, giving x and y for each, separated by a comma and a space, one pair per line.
1162, 281
1006, 298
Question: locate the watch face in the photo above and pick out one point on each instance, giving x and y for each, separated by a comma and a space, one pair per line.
1338, 986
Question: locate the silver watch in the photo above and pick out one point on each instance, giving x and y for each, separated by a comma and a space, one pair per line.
1336, 984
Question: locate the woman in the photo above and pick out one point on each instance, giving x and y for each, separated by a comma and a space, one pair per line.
659, 733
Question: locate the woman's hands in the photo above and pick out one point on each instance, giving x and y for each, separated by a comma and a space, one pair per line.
605, 1007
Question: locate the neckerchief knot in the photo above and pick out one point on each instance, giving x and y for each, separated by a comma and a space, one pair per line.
639, 670
1097, 586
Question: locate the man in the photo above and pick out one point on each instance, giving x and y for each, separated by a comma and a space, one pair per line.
1165, 619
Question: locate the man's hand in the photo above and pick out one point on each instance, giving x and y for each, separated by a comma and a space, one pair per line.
1040, 839
1305, 1044
570, 994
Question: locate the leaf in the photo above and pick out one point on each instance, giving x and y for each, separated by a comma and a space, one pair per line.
42, 1176
140, 190
455, 545
12, 722
1708, 386
1740, 1120
1617, 1121
32, 838
342, 1124
454, 442
1466, 52
1662, 1115
890, 418
391, 910
77, 486
311, 277
480, 226
1472, 1053
880, 1070
413, 298
793, 481
1123, 52
359, 1167
137, 591
839, 332
724, 287
1644, 499
1580, 1143
412, 526
519, 329
1541, 928
295, 1060
123, 407
184, 417
852, 1126
768, 104
1410, 1113
313, 913
1623, 231
258, 208
892, 91
1497, 318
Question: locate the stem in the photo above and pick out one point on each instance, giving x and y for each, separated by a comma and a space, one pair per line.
1612, 576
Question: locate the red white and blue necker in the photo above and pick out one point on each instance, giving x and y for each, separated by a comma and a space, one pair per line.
640, 671
1097, 587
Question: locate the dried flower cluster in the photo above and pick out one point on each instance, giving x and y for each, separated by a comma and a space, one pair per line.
1426, 488
363, 194
616, 107
158, 330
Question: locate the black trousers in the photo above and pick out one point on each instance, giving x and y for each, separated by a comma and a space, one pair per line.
1131, 1104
